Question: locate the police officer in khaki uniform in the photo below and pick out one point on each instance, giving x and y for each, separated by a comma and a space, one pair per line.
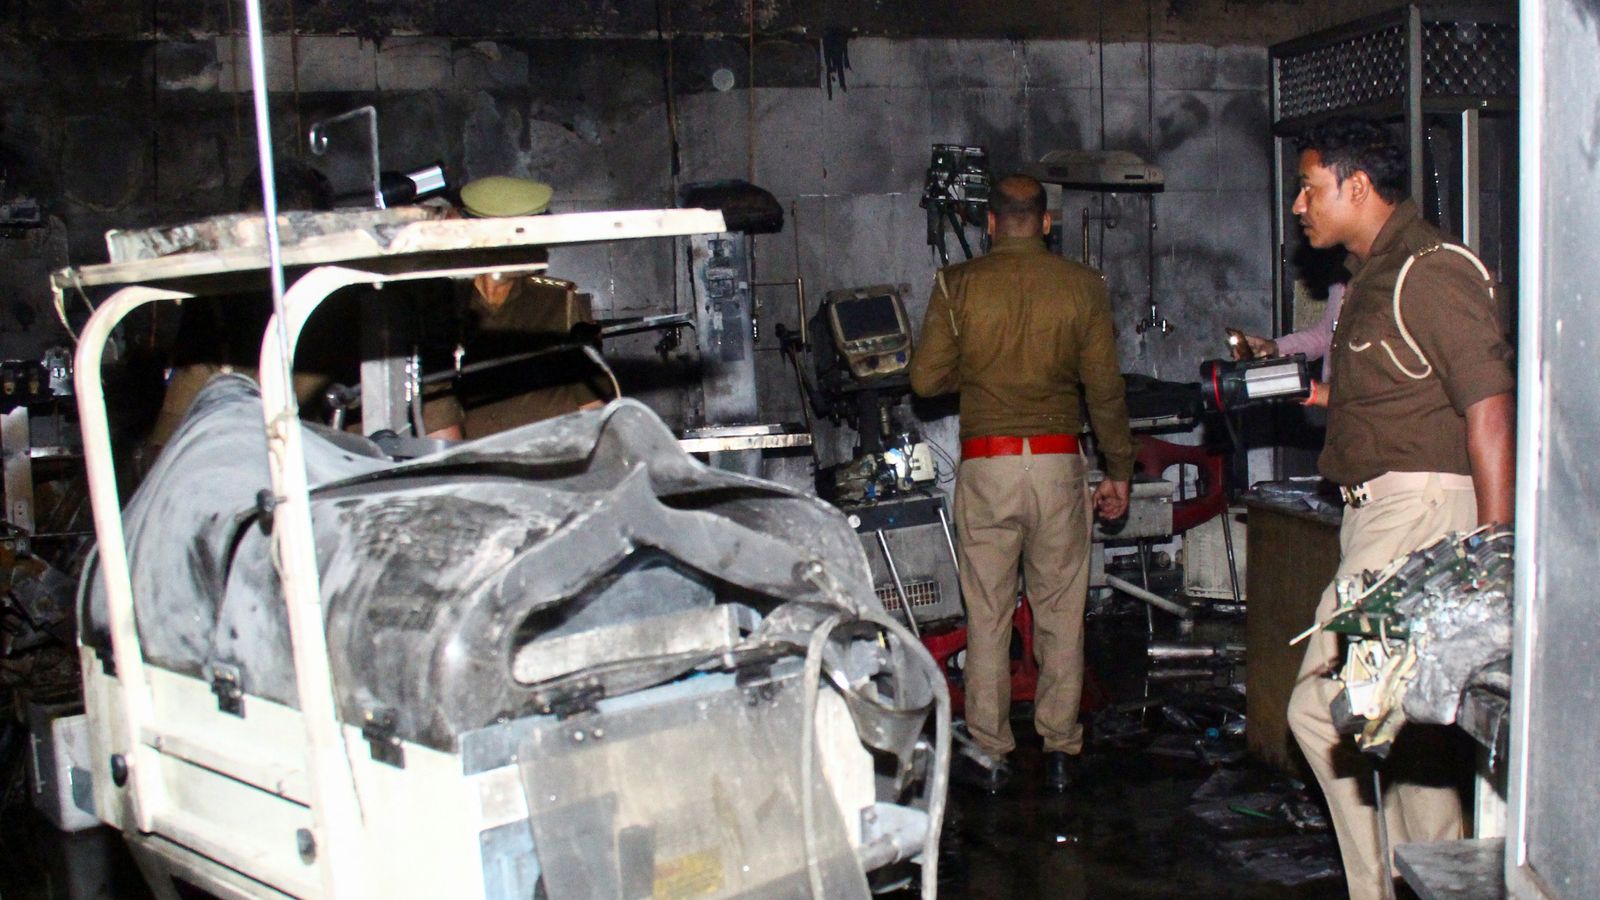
1024, 335
1420, 438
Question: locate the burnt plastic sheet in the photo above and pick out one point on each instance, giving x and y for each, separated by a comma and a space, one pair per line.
184, 524
1288, 861
639, 803
438, 572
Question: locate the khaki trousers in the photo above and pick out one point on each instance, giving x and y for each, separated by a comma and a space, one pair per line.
1421, 797
1031, 510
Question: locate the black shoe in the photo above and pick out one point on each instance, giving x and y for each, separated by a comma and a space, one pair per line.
1060, 770
971, 773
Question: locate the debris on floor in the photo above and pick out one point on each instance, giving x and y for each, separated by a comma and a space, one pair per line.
1269, 827
1288, 861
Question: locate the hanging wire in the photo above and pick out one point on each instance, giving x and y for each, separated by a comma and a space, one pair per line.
950, 463
750, 93
269, 191
595, 357
1101, 196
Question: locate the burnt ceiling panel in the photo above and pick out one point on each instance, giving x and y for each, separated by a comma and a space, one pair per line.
1241, 22
577, 18
370, 18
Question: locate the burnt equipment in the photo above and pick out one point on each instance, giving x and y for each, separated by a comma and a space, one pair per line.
870, 330
956, 194
861, 353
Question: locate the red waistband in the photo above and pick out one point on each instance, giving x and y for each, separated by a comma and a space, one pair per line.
994, 445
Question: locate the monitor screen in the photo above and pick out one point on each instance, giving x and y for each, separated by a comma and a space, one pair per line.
866, 317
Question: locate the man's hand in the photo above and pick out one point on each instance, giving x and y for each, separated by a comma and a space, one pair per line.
1111, 499
1318, 395
1263, 348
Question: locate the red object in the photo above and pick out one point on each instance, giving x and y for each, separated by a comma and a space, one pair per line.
996, 445
1157, 456
944, 646
1024, 672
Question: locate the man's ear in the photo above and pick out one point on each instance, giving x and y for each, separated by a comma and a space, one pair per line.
991, 224
1360, 186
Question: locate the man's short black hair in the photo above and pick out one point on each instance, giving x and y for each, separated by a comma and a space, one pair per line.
1348, 145
1017, 197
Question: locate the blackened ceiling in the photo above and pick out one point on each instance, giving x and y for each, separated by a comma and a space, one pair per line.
1246, 22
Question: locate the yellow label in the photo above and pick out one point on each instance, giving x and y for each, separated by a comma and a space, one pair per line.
690, 875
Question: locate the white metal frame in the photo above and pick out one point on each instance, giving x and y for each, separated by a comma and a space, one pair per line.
141, 736
1521, 881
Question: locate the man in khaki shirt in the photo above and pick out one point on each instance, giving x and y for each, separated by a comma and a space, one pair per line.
1024, 335
515, 315
1420, 439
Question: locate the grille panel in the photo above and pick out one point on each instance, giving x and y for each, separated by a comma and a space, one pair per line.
1459, 59
922, 594
1475, 59
1352, 72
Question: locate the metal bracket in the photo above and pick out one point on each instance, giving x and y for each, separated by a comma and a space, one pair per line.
318, 138
573, 701
226, 684
757, 681
378, 727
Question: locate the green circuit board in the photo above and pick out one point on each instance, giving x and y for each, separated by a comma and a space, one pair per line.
1372, 603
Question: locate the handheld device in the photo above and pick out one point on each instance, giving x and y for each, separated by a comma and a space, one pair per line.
1227, 385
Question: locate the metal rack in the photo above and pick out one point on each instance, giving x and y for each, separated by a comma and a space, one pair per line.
1419, 61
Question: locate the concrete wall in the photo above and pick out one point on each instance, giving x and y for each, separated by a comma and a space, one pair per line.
851, 168
121, 133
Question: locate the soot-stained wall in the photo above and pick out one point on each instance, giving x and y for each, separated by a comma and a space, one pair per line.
130, 132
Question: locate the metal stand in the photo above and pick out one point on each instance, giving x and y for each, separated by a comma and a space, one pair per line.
15, 441
899, 586
1227, 542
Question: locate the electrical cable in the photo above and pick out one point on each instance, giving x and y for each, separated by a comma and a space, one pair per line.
269, 202
939, 773
948, 459
61, 315
811, 687
1155, 321
337, 806
597, 359
61, 303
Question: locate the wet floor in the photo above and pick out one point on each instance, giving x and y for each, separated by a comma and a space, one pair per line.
1133, 826
1165, 806
1125, 831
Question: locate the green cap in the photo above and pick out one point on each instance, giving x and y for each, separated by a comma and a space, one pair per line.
502, 195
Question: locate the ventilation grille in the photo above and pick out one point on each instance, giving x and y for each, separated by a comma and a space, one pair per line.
1459, 59
1352, 72
1469, 59
921, 594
